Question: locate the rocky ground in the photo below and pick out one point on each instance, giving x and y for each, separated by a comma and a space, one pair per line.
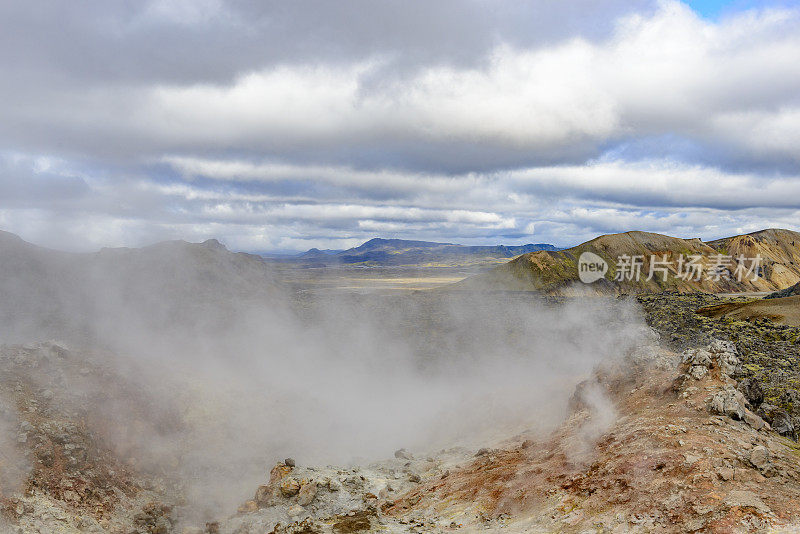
770, 352
686, 454
690, 436
60, 471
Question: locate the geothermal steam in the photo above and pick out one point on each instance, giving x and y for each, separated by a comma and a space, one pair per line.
255, 373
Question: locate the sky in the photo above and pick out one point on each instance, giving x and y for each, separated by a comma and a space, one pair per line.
714, 9
282, 126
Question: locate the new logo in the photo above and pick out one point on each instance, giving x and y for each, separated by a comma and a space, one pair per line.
591, 267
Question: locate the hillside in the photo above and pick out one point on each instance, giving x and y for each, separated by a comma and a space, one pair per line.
556, 272
175, 284
780, 250
402, 252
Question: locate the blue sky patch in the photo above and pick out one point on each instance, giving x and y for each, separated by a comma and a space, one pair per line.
715, 9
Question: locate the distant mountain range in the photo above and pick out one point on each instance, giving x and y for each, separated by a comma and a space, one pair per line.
557, 272
402, 252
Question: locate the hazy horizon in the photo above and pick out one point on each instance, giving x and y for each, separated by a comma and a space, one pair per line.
290, 252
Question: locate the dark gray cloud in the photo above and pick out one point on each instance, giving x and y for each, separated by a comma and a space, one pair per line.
213, 41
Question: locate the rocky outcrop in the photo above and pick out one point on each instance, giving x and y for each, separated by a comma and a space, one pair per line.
718, 355
719, 361
745, 402
318, 499
769, 351
729, 402
714, 472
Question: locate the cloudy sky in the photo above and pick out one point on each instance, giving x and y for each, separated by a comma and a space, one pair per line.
278, 126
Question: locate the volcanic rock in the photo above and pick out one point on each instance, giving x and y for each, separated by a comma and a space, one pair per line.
728, 401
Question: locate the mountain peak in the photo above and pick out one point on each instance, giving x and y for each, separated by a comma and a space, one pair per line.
213, 244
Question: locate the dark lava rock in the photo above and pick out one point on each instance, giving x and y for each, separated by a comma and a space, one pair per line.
779, 419
752, 391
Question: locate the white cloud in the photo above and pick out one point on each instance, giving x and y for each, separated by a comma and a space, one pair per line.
669, 73
771, 134
659, 183
656, 183
239, 170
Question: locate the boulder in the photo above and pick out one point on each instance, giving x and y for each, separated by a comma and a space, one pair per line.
278, 473
698, 371
755, 422
719, 346
727, 362
725, 473
307, 493
289, 487
719, 354
746, 499
729, 402
759, 457
403, 454
694, 357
